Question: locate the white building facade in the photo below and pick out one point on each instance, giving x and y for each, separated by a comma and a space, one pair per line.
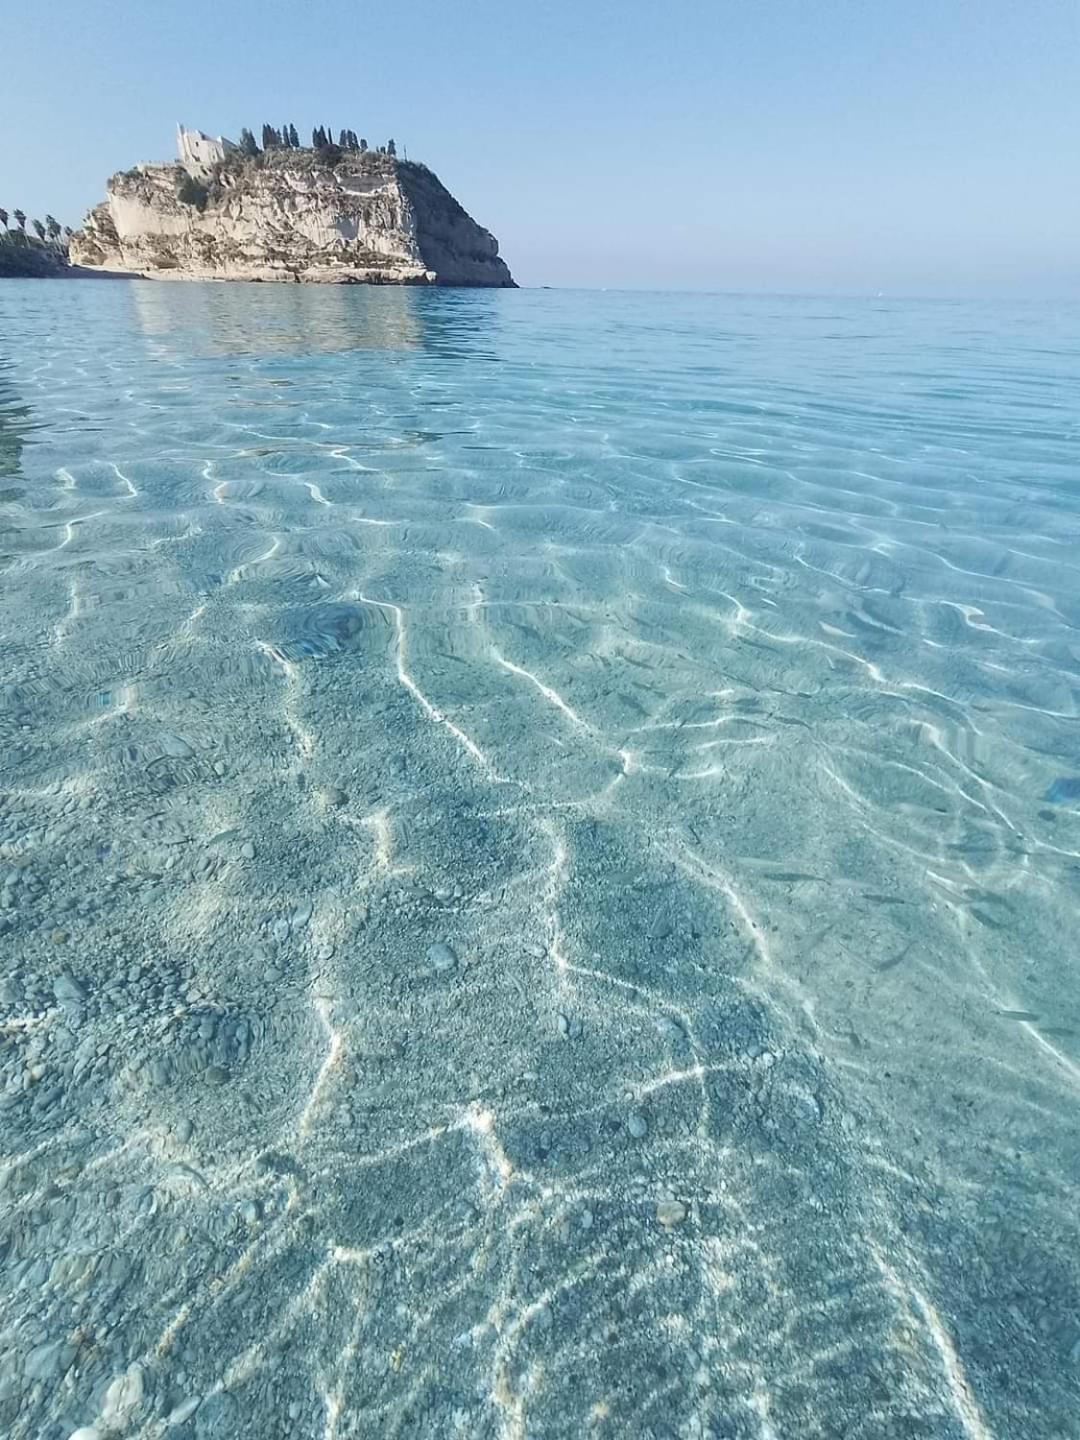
199, 153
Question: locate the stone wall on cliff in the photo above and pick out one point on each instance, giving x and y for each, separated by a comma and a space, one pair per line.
289, 215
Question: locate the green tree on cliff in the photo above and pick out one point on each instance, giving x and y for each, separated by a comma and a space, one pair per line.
363, 145
52, 225
294, 138
248, 144
20, 218
318, 138
391, 148
39, 229
3, 218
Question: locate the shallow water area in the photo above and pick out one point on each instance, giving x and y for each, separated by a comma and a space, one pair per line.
539, 865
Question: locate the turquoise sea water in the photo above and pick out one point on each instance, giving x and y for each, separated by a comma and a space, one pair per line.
539, 865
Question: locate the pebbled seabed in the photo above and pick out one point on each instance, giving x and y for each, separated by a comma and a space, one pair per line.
539, 866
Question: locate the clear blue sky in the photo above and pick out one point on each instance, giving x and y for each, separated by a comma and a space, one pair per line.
904, 146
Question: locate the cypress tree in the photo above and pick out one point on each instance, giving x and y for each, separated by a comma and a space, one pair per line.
294, 138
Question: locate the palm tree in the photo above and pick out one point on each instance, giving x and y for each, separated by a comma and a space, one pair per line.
52, 225
39, 229
20, 219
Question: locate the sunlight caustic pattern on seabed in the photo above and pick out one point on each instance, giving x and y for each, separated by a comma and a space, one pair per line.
539, 847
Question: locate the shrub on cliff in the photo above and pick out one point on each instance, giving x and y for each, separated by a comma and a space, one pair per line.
192, 192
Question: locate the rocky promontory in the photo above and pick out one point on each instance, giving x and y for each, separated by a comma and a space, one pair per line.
360, 217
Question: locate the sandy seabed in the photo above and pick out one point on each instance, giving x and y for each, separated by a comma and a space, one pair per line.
539, 859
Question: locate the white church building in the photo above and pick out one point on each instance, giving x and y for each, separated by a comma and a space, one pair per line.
199, 153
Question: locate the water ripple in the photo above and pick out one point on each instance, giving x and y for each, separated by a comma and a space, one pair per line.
539, 847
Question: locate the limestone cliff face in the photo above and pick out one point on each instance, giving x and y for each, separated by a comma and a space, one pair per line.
286, 215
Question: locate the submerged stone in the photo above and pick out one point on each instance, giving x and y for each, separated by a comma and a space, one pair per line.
441, 956
1064, 789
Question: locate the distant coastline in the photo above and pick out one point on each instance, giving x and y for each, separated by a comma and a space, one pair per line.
37, 252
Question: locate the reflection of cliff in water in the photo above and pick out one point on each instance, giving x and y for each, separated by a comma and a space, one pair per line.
239, 319
15, 422
185, 318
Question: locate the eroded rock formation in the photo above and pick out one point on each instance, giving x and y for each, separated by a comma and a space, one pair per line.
290, 215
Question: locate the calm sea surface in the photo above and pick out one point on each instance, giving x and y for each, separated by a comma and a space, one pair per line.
539, 866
